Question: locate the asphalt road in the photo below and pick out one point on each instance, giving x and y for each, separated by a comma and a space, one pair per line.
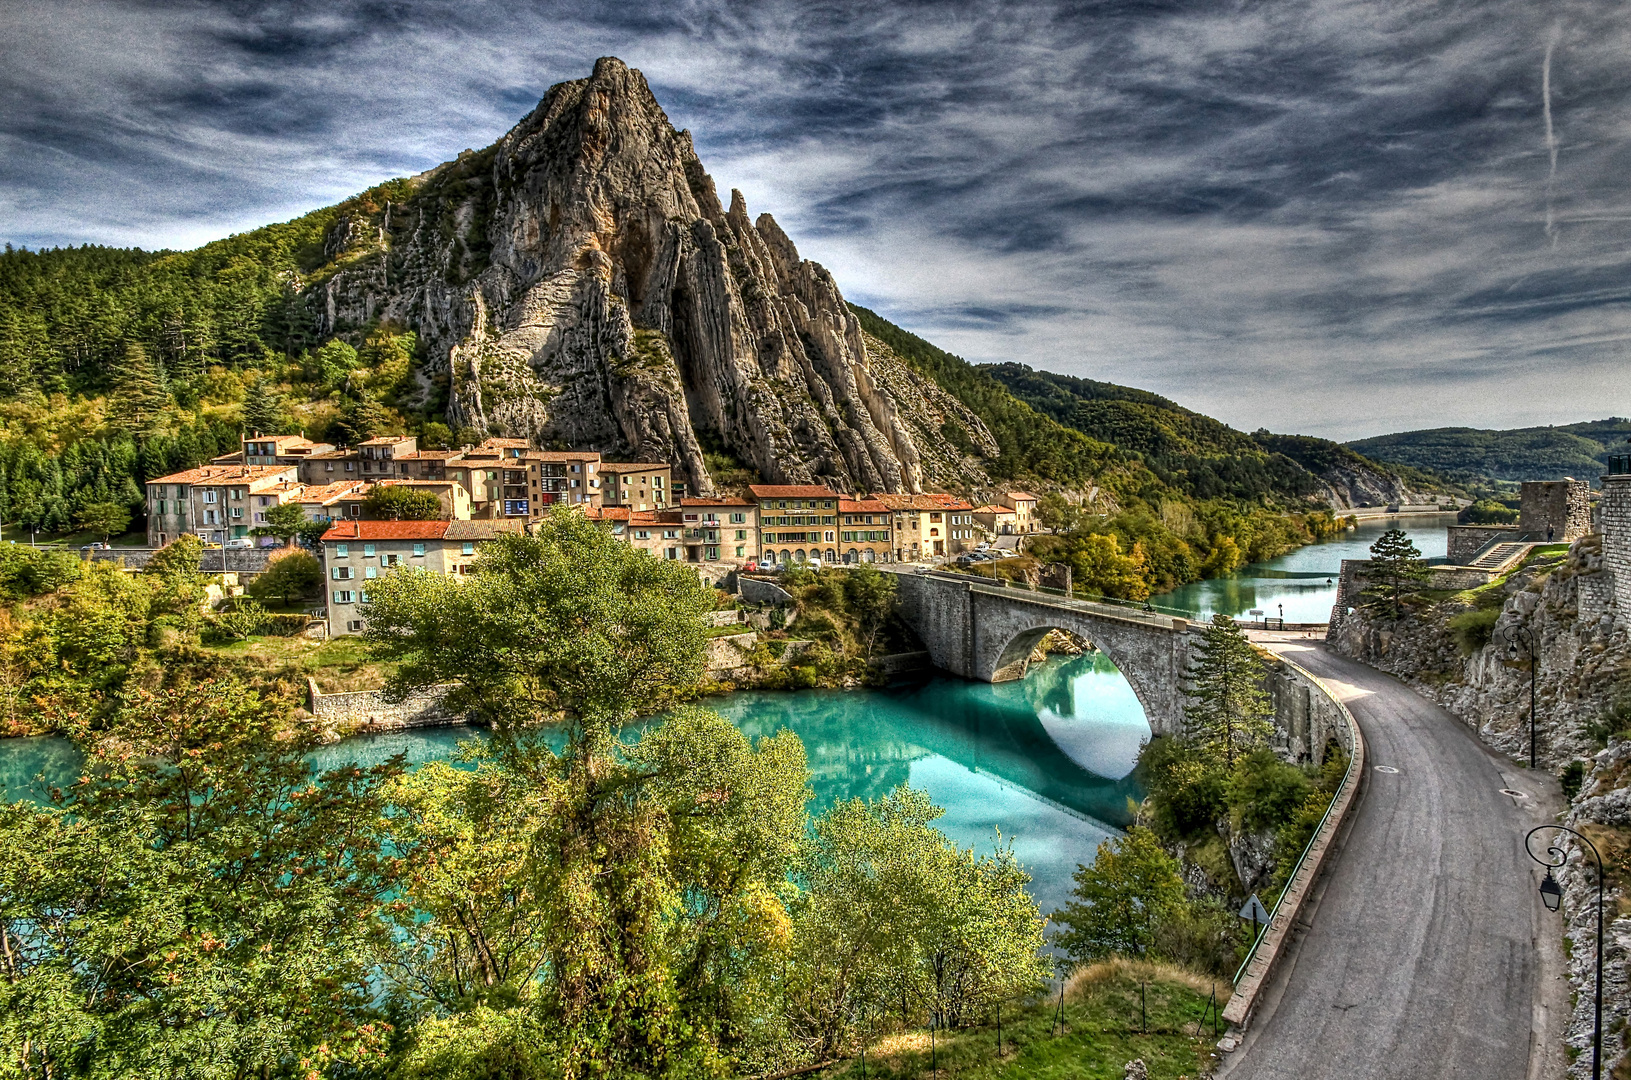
1419, 958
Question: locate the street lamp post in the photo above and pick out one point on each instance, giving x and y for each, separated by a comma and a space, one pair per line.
1516, 634
1551, 894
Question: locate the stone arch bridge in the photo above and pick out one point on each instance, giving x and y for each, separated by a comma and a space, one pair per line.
983, 630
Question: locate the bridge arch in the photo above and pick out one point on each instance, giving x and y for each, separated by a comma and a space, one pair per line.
984, 631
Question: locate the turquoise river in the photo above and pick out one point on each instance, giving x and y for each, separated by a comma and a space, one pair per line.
1045, 762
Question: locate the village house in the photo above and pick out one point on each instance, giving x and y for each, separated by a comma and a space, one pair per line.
358, 552
216, 503
796, 521
1023, 504
996, 520
720, 530
463, 541
922, 524
637, 485
658, 532
866, 531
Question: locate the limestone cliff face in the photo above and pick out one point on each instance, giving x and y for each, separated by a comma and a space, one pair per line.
580, 283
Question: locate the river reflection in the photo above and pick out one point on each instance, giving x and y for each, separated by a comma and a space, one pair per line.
1047, 761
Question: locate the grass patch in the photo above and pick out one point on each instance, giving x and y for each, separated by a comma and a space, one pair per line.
1101, 1033
339, 665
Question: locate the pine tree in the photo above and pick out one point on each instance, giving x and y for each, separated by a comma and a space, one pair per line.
137, 394
361, 418
263, 408
1230, 711
1396, 568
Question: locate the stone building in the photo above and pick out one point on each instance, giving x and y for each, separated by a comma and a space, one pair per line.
1555, 509
796, 521
216, 503
358, 552
720, 530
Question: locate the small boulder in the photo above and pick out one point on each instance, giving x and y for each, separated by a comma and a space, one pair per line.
1136, 1070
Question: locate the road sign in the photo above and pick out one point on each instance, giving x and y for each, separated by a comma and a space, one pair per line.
1255, 911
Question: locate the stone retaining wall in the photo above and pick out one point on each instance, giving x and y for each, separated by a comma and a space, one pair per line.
1465, 541
423, 708
755, 591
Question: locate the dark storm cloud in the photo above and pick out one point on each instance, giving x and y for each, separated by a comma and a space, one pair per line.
1331, 217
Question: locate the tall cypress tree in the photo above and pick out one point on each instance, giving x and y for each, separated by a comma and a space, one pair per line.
137, 395
1229, 712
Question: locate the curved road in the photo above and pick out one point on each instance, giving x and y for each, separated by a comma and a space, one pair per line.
1419, 956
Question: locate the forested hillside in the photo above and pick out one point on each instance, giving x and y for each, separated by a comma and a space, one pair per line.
1483, 457
1207, 459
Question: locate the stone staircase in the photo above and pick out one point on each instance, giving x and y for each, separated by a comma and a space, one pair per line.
1499, 556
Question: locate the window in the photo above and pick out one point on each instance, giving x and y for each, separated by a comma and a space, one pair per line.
209, 496
740, 551
354, 626
737, 519
642, 534
671, 534
369, 572
342, 573
238, 512
342, 596
351, 466
362, 598
827, 505
368, 551
741, 534
328, 466
469, 548
419, 551
343, 550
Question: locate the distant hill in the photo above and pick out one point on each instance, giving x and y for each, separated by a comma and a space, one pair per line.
1206, 458
1474, 455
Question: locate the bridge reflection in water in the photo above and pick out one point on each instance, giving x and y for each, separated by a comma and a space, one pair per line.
1046, 760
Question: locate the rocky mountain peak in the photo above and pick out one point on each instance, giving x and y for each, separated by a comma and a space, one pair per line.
579, 283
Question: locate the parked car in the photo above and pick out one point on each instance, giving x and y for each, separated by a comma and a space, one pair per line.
813, 564
240, 543
97, 546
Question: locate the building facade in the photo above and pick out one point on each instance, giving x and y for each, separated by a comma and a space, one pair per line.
720, 530
216, 503
866, 531
636, 485
796, 521
356, 553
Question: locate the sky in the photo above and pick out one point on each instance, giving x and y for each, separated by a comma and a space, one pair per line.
1332, 218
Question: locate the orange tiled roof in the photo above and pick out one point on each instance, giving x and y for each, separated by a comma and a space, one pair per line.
994, 510
631, 466
327, 493
851, 506
607, 513
387, 530
715, 502
225, 474
910, 502
1020, 495
791, 491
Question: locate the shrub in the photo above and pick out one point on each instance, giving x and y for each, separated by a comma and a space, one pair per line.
1265, 792
1572, 776
1472, 629
1187, 794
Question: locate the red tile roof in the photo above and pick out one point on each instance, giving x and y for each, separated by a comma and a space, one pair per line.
715, 502
386, 530
223, 474
607, 513
850, 506
791, 491
631, 466
1020, 495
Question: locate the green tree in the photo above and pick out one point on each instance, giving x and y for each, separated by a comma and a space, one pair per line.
284, 521
106, 518
570, 619
891, 910
394, 502
136, 394
333, 361
263, 408
1229, 711
200, 905
289, 575
1396, 569
1121, 900
869, 595
361, 418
